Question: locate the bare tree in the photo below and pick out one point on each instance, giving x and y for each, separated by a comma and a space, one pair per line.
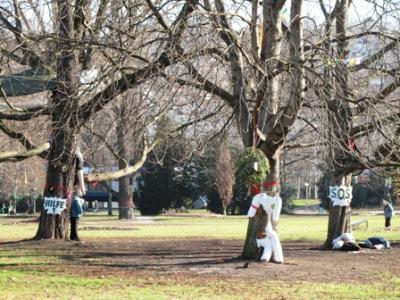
358, 129
75, 39
267, 70
247, 72
266, 73
225, 175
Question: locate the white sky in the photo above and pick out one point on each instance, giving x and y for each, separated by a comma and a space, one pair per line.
360, 10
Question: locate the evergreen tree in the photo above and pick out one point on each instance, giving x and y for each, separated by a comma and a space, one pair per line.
161, 188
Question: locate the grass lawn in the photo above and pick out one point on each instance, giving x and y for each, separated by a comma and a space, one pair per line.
299, 203
49, 271
291, 228
47, 285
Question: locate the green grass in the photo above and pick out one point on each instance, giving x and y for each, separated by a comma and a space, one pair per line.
299, 203
47, 285
24, 273
291, 228
343, 291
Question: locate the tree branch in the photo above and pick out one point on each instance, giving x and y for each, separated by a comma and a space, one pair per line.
299, 145
206, 117
381, 95
26, 115
108, 146
157, 14
130, 80
37, 15
14, 156
106, 176
24, 141
17, 136
30, 57
206, 85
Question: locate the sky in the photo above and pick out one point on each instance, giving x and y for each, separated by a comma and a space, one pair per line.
359, 11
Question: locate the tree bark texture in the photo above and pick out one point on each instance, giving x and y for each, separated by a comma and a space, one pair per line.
125, 199
265, 111
339, 216
260, 220
58, 184
125, 192
257, 223
267, 99
64, 127
340, 117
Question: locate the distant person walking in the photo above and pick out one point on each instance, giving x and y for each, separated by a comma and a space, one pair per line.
388, 213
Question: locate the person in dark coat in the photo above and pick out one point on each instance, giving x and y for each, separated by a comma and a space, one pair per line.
76, 213
388, 212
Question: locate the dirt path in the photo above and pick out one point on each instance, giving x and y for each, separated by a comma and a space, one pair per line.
216, 258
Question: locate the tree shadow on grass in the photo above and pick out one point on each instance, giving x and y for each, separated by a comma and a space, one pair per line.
20, 242
160, 264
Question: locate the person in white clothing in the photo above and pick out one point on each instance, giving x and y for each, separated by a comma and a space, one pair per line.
269, 239
341, 239
270, 245
345, 242
271, 204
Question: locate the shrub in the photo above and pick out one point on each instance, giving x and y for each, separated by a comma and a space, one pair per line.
246, 171
241, 201
25, 203
158, 191
214, 202
288, 194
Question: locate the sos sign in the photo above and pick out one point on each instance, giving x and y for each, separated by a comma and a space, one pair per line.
341, 195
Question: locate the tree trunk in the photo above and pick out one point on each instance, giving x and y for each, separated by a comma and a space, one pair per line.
339, 216
64, 125
273, 126
260, 220
59, 179
109, 205
339, 223
340, 117
224, 208
125, 192
125, 199
255, 224
60, 169
267, 100
54, 226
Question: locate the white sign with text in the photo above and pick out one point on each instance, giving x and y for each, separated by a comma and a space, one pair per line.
54, 206
341, 195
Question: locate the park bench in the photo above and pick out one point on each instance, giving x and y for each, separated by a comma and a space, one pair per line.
358, 223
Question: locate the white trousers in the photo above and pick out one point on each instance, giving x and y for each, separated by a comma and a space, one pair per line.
272, 248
